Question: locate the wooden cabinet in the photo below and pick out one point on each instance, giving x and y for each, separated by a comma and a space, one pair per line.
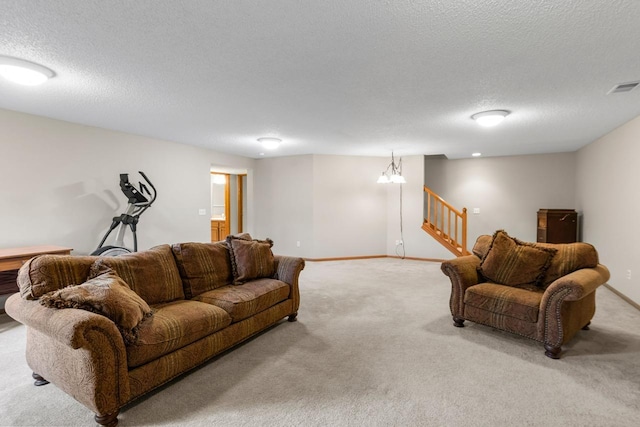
219, 230
557, 226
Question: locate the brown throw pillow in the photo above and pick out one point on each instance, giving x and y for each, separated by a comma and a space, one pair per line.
203, 266
251, 259
512, 262
152, 274
106, 294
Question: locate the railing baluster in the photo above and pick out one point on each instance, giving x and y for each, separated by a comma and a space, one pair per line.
435, 220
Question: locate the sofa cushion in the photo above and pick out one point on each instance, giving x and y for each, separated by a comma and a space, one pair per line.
173, 326
152, 274
519, 302
251, 259
512, 262
202, 266
46, 273
105, 294
569, 258
242, 301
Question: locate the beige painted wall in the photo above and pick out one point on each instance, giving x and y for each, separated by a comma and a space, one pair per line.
607, 191
349, 207
417, 243
330, 204
59, 184
284, 203
509, 191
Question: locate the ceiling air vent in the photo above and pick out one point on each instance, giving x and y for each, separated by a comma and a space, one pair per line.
623, 87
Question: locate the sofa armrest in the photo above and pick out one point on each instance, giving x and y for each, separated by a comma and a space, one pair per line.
463, 273
68, 326
288, 270
80, 352
573, 287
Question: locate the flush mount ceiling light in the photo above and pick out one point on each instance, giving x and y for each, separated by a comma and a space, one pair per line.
490, 118
270, 143
393, 173
24, 72
476, 154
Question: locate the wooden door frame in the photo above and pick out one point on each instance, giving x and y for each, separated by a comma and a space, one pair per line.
240, 202
227, 203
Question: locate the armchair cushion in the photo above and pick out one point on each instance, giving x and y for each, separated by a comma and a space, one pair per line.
520, 303
512, 262
105, 294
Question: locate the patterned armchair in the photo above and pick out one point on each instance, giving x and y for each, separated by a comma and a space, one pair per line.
542, 291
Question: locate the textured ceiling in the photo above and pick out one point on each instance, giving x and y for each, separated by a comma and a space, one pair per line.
356, 77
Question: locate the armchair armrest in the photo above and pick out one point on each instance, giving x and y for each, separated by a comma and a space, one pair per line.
577, 289
288, 270
463, 272
580, 283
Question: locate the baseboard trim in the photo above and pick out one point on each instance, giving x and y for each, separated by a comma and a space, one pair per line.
350, 258
623, 296
413, 258
346, 258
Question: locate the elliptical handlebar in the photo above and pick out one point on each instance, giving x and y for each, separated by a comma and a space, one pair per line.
136, 196
138, 203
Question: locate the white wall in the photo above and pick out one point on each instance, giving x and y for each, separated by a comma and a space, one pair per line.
349, 207
59, 184
417, 243
607, 191
330, 204
283, 201
509, 191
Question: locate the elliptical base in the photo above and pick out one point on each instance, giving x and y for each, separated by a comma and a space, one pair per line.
110, 251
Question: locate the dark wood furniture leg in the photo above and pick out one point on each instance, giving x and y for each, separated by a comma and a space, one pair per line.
110, 420
586, 327
292, 317
552, 352
39, 380
457, 322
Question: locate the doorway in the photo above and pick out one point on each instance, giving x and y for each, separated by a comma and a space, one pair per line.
228, 204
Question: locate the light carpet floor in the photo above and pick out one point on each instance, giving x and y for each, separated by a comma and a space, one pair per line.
374, 346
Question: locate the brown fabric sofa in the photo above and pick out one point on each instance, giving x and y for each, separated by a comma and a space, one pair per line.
198, 312
551, 309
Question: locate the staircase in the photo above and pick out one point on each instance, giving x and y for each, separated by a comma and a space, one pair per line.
446, 224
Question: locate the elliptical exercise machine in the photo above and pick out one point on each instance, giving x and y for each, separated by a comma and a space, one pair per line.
138, 203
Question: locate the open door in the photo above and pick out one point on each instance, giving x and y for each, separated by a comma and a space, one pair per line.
228, 201
220, 206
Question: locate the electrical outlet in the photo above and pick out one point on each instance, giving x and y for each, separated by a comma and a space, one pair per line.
298, 243
399, 243
202, 211
476, 211
628, 274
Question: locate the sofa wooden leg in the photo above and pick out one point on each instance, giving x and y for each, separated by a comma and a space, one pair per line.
457, 322
39, 380
586, 327
552, 351
292, 317
110, 420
